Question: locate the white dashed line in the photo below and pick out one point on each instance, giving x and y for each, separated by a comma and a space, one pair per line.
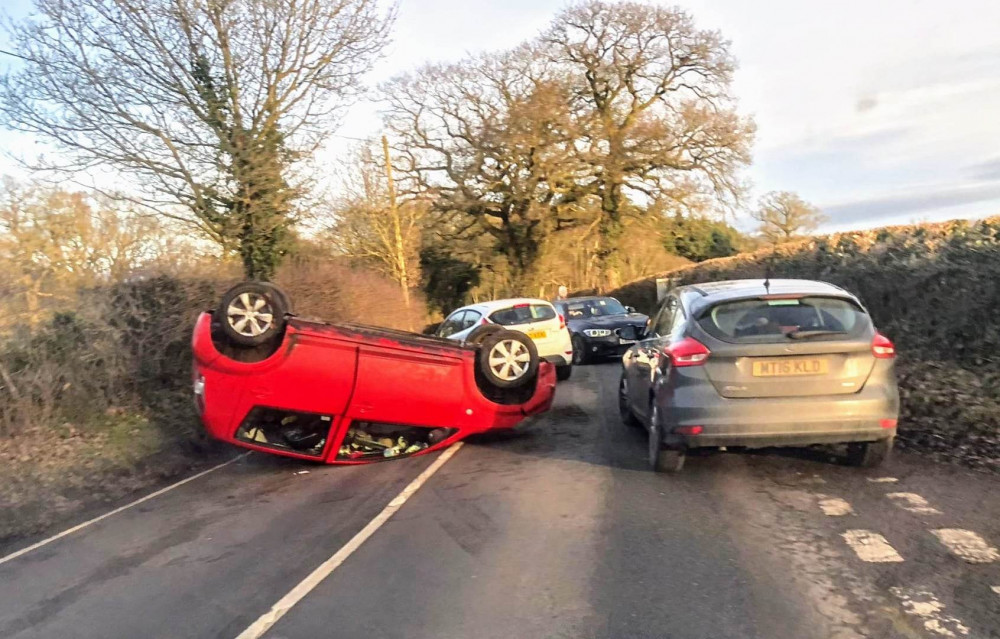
834, 506
871, 547
923, 604
913, 503
883, 480
967, 545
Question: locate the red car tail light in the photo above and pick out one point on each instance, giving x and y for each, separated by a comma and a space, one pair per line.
887, 423
562, 321
689, 430
688, 352
882, 347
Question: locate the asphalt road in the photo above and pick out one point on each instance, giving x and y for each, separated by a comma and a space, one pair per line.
554, 530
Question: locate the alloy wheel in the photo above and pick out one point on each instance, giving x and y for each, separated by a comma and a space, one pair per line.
509, 360
250, 314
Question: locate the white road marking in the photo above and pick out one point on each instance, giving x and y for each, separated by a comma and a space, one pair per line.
996, 589
925, 605
303, 588
871, 547
883, 480
78, 527
967, 545
834, 506
913, 503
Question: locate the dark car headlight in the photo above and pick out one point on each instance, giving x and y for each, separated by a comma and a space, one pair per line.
596, 332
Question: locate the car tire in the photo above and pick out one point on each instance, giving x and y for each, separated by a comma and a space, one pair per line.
564, 372
579, 351
869, 454
624, 410
662, 460
281, 294
480, 333
508, 359
252, 314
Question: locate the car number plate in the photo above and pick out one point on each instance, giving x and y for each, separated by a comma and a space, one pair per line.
537, 334
789, 367
622, 340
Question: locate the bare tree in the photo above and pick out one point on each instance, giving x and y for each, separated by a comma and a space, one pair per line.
487, 141
784, 215
53, 241
371, 225
204, 103
653, 109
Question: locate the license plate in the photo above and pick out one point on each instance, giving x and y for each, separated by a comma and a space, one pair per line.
537, 334
789, 367
622, 340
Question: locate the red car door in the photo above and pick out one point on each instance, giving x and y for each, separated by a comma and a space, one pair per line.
408, 385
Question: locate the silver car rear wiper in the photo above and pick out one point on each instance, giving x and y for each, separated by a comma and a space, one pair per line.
814, 333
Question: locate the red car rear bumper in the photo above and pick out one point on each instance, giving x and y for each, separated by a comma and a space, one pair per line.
354, 375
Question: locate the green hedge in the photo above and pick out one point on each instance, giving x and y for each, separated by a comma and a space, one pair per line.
934, 289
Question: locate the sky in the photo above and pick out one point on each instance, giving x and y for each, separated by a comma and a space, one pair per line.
877, 111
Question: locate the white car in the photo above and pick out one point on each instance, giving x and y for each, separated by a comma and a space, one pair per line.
537, 319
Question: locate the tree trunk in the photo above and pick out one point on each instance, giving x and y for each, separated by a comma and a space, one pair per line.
609, 234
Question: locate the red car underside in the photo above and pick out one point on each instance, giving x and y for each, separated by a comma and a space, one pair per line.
348, 378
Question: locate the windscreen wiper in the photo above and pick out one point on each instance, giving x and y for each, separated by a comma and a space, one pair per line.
814, 333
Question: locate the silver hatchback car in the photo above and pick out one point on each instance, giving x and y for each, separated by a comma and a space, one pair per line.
757, 363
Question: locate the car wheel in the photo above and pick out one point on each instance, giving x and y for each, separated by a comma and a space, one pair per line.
508, 359
661, 460
281, 294
579, 351
624, 410
564, 372
252, 313
869, 454
480, 333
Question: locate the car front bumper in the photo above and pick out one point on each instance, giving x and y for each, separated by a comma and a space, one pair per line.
602, 347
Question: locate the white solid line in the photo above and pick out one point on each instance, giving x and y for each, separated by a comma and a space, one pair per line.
883, 480
913, 503
296, 594
871, 547
967, 545
78, 527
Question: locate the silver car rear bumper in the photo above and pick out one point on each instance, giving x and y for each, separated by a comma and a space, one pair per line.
777, 421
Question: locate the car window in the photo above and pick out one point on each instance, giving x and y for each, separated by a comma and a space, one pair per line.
773, 320
469, 319
523, 314
663, 325
582, 309
451, 325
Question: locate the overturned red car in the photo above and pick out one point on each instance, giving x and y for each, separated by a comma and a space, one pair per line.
343, 393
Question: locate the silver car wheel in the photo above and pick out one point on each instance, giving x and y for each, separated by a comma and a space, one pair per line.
509, 360
250, 315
